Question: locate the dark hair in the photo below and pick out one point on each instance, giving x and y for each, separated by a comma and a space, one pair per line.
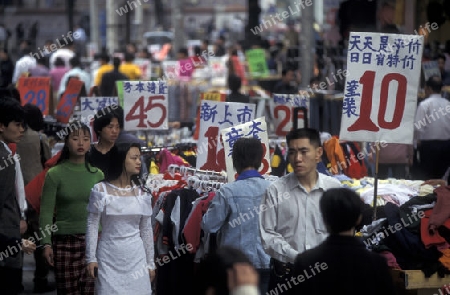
75, 62
129, 57
247, 152
120, 113
42, 61
10, 110
33, 117
10, 92
234, 82
341, 208
105, 57
212, 271
116, 62
312, 134
184, 51
441, 56
435, 83
59, 62
285, 71
104, 117
117, 160
197, 50
75, 127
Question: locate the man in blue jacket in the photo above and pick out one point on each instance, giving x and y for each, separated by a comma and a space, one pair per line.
233, 213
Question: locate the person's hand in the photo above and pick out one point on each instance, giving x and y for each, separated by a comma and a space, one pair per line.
90, 269
241, 274
28, 246
48, 254
23, 227
152, 274
435, 182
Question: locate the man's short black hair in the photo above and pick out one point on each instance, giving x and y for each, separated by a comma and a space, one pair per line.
105, 57
341, 209
116, 62
75, 62
10, 110
441, 56
312, 134
247, 152
435, 83
234, 82
104, 117
129, 57
33, 117
59, 62
184, 51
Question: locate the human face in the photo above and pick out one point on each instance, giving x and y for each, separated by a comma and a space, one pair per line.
12, 133
133, 161
303, 157
78, 143
110, 132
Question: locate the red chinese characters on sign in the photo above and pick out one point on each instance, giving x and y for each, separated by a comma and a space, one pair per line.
68, 100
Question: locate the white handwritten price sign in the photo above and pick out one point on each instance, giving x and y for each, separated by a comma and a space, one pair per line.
145, 105
257, 129
215, 116
380, 96
91, 105
281, 108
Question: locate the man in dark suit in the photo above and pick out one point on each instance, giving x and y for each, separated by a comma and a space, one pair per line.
11, 130
341, 264
108, 84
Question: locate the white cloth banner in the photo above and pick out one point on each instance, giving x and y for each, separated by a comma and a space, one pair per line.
257, 129
215, 116
380, 96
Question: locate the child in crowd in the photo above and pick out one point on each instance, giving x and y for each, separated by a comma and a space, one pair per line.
65, 197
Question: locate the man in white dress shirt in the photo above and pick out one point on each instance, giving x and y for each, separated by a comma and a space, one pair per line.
432, 126
292, 221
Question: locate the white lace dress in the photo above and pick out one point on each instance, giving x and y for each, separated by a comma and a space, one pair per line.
124, 251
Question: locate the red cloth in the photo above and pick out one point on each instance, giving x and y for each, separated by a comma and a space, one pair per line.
192, 229
166, 158
33, 189
431, 237
441, 211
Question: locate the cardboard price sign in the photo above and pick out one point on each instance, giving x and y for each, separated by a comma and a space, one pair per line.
69, 100
35, 91
257, 129
282, 109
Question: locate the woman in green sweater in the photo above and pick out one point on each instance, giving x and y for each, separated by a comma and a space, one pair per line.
65, 197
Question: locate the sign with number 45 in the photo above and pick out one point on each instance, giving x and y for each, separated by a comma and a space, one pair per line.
145, 105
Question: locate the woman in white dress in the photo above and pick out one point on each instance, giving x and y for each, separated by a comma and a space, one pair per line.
123, 252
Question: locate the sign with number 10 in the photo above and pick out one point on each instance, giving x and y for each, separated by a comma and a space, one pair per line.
145, 105
380, 95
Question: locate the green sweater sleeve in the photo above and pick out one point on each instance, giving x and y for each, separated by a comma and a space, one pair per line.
48, 201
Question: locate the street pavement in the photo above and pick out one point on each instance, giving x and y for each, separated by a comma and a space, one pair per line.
28, 275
